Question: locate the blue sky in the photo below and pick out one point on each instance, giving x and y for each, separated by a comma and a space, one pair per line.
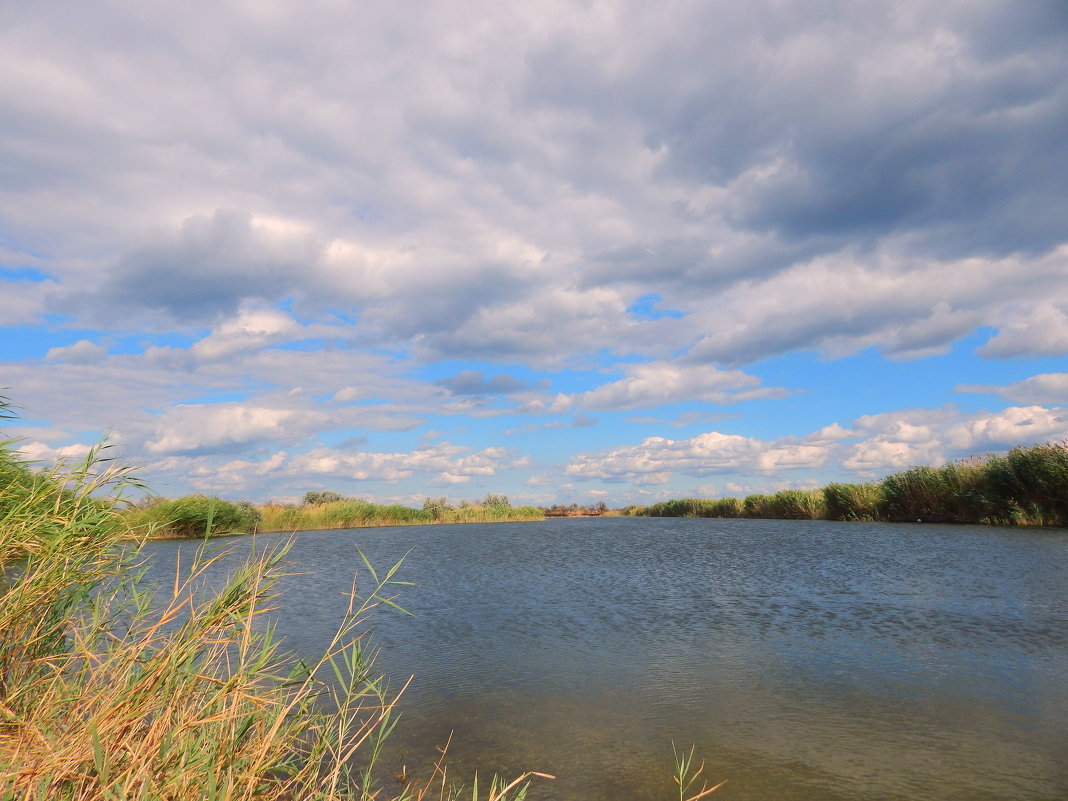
569, 252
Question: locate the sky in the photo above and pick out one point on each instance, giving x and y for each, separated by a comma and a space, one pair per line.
568, 252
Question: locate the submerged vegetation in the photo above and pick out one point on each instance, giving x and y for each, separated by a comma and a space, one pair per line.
1025, 487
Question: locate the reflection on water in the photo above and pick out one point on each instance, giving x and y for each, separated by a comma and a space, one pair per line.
806, 660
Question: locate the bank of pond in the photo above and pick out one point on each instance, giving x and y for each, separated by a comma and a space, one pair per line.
202, 515
1024, 487
1028, 486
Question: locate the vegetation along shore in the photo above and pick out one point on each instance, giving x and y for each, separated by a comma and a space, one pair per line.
1028, 486
1025, 487
202, 515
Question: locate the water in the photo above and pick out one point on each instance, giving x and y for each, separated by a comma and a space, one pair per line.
804, 660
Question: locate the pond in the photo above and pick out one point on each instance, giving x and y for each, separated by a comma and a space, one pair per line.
803, 660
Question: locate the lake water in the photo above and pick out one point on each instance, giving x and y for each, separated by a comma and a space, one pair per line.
804, 660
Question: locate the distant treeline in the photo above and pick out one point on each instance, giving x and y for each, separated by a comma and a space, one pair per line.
1025, 487
202, 515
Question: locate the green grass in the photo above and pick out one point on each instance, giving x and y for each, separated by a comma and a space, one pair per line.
350, 513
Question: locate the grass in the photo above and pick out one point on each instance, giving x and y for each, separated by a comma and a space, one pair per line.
200, 515
193, 516
1028, 486
350, 513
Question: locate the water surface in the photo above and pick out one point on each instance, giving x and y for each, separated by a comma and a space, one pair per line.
804, 660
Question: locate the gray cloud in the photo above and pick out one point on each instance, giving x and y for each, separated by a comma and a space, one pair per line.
210, 266
679, 151
474, 382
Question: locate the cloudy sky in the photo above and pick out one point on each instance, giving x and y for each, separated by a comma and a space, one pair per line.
574, 251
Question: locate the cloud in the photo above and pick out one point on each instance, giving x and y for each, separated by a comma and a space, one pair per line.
81, 352
849, 301
1042, 388
24, 302
224, 426
508, 190
249, 329
444, 462
875, 444
653, 384
42, 456
324, 199
210, 266
1041, 330
473, 382
657, 457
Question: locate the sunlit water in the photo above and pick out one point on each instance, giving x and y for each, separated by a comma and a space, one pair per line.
804, 660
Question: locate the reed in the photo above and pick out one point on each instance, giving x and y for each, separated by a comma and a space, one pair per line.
858, 502
194, 516
798, 504
351, 513
1025, 487
110, 689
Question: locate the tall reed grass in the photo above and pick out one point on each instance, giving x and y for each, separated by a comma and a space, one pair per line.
111, 689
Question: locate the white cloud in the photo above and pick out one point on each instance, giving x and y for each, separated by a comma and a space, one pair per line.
1039, 330
200, 427
1016, 425
443, 462
536, 185
652, 384
844, 302
81, 352
43, 455
656, 456
876, 444
1042, 388
249, 329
